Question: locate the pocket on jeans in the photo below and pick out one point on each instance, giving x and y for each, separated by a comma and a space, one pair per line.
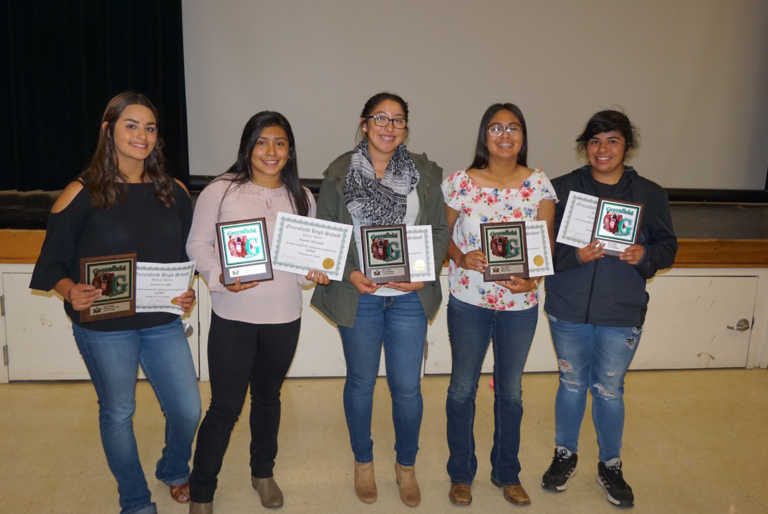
552, 318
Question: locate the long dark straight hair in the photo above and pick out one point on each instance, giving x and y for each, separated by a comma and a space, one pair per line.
102, 177
481, 147
240, 171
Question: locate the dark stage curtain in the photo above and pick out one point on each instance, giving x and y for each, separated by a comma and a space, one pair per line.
65, 60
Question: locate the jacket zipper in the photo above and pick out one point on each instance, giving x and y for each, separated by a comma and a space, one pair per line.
591, 289
585, 186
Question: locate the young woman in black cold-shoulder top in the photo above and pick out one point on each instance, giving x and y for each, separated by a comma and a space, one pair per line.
124, 202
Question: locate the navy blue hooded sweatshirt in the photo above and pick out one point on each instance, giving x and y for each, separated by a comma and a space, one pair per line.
607, 291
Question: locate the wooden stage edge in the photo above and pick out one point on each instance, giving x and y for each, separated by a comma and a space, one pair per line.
23, 246
722, 253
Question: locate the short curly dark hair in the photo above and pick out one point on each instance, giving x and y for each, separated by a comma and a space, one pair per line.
607, 121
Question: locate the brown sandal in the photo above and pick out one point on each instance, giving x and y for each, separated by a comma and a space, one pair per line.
180, 492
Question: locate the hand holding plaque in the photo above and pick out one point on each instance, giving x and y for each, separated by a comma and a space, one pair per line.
115, 276
616, 225
516, 249
505, 247
385, 253
244, 250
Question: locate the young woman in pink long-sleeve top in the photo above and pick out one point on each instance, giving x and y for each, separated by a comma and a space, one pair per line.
255, 325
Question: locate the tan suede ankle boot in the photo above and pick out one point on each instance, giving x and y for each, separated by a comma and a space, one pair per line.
409, 487
365, 482
269, 492
200, 508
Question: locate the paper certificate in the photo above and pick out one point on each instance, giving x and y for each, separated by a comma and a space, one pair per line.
578, 220
539, 250
421, 255
157, 284
301, 243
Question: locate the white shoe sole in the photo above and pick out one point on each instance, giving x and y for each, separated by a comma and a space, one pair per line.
562, 487
610, 498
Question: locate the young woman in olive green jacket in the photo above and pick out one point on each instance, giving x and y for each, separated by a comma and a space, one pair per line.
381, 183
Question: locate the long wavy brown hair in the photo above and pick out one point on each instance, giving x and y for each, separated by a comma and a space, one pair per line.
102, 177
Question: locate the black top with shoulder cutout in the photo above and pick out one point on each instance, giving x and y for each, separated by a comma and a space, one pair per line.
139, 223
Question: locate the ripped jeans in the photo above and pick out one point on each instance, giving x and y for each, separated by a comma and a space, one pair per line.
595, 358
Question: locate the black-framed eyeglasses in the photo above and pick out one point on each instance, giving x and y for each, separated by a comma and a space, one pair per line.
496, 129
382, 120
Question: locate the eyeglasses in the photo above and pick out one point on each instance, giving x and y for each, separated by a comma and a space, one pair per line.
496, 129
382, 120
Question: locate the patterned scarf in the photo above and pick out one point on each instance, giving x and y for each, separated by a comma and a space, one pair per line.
371, 201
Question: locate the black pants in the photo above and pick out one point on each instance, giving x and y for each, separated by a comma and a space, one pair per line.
240, 354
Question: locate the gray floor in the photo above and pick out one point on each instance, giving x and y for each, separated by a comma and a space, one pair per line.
695, 442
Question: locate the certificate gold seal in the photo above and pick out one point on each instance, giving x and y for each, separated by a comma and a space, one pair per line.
328, 263
538, 260
419, 265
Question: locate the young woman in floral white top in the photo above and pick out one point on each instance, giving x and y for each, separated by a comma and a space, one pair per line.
498, 186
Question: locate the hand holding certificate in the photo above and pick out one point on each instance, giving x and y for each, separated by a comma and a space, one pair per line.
302, 244
158, 284
539, 249
421, 256
578, 220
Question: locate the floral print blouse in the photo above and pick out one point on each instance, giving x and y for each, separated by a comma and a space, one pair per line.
478, 205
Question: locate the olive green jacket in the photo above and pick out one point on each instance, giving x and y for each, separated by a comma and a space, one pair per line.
338, 300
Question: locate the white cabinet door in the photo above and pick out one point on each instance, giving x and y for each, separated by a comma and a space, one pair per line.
686, 327
39, 334
688, 319
319, 352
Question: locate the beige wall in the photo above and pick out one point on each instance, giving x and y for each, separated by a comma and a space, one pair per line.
692, 75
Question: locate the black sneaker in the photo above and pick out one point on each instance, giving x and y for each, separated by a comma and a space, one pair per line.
561, 469
616, 489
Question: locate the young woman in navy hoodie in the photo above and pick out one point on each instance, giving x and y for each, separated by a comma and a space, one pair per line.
596, 303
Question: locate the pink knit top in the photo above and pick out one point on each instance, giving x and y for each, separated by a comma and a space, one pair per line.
272, 301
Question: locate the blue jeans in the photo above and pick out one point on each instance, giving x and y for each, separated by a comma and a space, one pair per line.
595, 358
470, 329
399, 323
112, 359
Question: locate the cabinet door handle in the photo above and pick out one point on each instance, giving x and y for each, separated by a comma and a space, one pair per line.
741, 325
